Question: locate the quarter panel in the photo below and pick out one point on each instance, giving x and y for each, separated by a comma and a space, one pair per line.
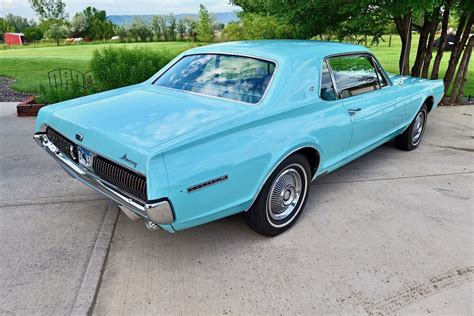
247, 156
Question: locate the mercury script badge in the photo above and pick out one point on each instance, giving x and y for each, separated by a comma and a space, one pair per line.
129, 161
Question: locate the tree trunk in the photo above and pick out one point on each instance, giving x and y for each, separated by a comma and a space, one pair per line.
403, 24
57, 42
433, 25
442, 40
462, 35
420, 52
458, 86
390, 40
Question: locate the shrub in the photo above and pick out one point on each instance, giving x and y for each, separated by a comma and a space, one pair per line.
52, 95
118, 67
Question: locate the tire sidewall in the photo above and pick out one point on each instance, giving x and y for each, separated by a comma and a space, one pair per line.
267, 225
423, 110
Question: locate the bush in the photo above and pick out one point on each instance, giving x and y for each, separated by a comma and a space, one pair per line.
118, 67
61, 93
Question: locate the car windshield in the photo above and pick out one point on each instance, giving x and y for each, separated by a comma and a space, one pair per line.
238, 78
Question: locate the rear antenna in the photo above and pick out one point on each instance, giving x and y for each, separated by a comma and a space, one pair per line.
407, 49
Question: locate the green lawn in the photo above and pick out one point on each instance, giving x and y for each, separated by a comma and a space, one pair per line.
30, 65
389, 56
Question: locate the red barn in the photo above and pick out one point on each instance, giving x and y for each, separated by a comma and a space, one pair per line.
14, 38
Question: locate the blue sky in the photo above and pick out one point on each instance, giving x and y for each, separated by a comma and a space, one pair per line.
113, 7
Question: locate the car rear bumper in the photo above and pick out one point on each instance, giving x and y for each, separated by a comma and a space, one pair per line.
158, 213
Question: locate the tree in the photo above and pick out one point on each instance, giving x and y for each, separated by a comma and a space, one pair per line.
49, 9
156, 26
33, 33
140, 30
181, 29
191, 26
205, 32
122, 32
57, 32
17, 23
79, 25
233, 31
5, 27
461, 77
171, 21
353, 18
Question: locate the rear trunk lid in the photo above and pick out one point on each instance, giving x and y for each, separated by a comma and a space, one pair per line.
125, 127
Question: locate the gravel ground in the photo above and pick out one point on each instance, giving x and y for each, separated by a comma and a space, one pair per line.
9, 95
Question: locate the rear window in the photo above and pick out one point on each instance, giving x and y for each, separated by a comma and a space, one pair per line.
237, 78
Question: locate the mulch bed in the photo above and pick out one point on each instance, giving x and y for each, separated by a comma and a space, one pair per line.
9, 95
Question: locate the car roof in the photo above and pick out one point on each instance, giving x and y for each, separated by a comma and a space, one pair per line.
280, 50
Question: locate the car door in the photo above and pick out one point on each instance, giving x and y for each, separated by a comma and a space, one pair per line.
333, 126
374, 105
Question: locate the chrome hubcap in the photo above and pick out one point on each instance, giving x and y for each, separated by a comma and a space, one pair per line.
418, 128
284, 194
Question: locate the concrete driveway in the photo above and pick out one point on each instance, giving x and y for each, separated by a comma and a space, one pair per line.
390, 232
54, 232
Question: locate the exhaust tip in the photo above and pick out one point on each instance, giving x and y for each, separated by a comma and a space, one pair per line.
151, 226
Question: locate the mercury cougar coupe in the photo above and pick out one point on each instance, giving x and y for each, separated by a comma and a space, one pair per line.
240, 127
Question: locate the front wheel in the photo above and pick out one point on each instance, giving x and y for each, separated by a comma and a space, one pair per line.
411, 138
282, 197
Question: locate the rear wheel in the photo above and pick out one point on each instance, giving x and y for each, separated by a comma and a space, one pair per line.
282, 198
411, 138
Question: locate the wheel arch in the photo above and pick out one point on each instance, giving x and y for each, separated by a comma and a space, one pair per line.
311, 152
429, 103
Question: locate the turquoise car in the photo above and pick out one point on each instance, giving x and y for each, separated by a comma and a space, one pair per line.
239, 127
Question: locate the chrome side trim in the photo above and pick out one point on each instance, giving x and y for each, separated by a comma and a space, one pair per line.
159, 213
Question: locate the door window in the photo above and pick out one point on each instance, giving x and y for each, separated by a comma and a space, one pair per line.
328, 92
354, 75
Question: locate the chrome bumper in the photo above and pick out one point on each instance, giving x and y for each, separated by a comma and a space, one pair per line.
158, 213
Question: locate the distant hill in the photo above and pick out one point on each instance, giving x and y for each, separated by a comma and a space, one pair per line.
221, 17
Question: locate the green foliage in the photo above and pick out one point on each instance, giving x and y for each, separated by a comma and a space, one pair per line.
171, 21
57, 32
204, 29
233, 31
5, 27
139, 29
158, 26
93, 24
118, 67
51, 95
17, 23
255, 26
49, 9
33, 33
181, 29
191, 26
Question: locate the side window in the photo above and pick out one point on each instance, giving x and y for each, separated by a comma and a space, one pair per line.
354, 75
327, 88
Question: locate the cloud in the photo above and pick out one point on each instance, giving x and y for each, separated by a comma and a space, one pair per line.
117, 7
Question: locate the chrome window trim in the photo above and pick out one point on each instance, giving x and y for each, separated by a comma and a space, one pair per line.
378, 68
225, 54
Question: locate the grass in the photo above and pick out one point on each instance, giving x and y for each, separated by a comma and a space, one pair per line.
30, 65
389, 56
